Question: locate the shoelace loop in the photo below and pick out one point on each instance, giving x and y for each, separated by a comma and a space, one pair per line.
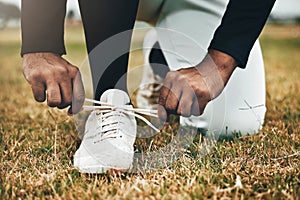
107, 108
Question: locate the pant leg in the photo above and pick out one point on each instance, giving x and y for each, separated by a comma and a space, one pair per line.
102, 20
149, 10
241, 106
190, 26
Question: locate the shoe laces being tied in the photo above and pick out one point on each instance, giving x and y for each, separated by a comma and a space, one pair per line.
105, 112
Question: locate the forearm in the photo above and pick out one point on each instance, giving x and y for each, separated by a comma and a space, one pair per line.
43, 26
240, 27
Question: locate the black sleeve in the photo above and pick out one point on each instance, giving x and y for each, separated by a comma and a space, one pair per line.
43, 26
240, 27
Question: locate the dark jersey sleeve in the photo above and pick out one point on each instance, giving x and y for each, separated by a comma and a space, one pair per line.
43, 26
240, 27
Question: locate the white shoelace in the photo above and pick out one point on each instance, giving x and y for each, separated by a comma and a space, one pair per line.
109, 110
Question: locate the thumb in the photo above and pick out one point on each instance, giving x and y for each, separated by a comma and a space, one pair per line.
78, 95
162, 114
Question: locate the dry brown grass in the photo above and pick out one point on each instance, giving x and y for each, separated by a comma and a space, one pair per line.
37, 144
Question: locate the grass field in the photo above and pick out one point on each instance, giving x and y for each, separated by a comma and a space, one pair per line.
37, 143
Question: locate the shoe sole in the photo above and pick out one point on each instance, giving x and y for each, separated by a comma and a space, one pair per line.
102, 170
96, 168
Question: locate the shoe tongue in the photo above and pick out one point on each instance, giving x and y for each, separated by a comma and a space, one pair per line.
115, 97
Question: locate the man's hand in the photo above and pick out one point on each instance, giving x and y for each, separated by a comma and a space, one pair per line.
187, 91
54, 78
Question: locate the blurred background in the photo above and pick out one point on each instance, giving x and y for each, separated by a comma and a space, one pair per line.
284, 11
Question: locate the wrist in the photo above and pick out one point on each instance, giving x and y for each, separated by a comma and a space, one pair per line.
225, 63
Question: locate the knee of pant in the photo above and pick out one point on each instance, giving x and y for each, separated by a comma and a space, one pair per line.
247, 122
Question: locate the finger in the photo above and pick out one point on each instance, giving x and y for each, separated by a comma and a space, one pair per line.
78, 94
164, 92
198, 106
173, 99
39, 91
66, 93
53, 94
162, 113
185, 104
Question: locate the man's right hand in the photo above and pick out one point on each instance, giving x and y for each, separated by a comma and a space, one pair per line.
54, 78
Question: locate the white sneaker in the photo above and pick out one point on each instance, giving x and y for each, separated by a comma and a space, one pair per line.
110, 133
109, 136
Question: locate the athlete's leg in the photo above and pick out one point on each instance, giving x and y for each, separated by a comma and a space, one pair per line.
241, 106
155, 65
155, 69
102, 20
149, 10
